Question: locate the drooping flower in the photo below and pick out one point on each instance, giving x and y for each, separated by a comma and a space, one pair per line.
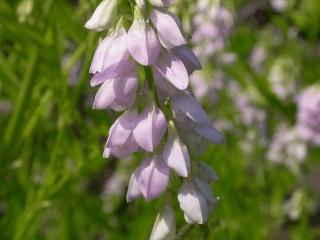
150, 128
117, 93
121, 142
172, 69
195, 196
153, 177
164, 227
190, 115
103, 17
168, 30
176, 156
143, 43
111, 51
193, 203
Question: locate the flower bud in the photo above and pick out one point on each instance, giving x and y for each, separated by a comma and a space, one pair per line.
193, 203
168, 30
164, 227
176, 155
103, 17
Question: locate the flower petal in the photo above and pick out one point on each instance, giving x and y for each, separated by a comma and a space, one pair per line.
173, 69
134, 188
193, 204
125, 150
188, 58
142, 43
103, 17
164, 85
164, 227
207, 172
205, 189
111, 50
168, 30
153, 178
125, 89
186, 108
105, 95
112, 71
176, 156
122, 128
150, 129
210, 133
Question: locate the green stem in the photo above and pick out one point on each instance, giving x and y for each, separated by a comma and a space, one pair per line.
23, 99
150, 82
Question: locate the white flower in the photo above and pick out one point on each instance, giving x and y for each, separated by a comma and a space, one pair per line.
193, 203
103, 17
164, 227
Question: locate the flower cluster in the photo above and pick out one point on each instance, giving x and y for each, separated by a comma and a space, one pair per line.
308, 119
287, 147
212, 24
143, 72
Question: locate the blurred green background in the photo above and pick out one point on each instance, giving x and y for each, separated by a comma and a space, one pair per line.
54, 183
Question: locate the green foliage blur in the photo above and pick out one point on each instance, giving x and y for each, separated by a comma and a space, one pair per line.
54, 183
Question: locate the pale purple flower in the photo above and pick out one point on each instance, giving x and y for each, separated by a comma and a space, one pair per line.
175, 155
150, 179
190, 115
118, 93
212, 23
199, 85
172, 69
150, 129
308, 124
143, 43
113, 71
257, 58
168, 30
111, 51
287, 148
121, 142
